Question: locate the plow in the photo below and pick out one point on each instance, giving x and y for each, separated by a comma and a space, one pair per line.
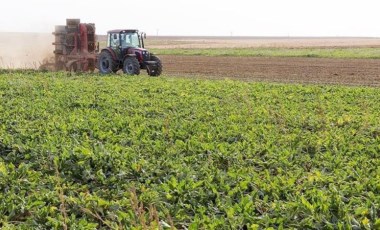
76, 49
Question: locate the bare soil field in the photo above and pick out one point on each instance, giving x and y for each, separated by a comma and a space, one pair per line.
295, 70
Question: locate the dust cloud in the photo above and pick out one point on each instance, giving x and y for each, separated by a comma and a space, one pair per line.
25, 50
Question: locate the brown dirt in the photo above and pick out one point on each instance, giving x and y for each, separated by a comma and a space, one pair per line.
297, 70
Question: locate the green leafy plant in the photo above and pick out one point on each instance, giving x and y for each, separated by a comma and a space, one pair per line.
95, 152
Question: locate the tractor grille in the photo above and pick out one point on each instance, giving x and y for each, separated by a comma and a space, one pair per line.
146, 55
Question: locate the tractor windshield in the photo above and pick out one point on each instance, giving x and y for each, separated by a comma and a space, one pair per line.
130, 40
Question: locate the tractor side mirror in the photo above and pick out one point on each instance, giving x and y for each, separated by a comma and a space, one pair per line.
114, 36
144, 35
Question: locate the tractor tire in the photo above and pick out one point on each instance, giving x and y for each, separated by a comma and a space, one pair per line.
106, 63
159, 66
131, 66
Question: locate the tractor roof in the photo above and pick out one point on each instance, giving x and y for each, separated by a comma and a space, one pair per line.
123, 31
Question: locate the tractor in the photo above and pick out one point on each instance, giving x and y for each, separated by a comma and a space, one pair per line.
125, 50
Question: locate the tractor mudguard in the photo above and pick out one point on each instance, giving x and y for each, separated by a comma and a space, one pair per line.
129, 55
112, 52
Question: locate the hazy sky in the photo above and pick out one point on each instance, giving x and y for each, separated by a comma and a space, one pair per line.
201, 17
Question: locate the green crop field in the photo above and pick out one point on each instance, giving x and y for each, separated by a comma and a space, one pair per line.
360, 53
94, 152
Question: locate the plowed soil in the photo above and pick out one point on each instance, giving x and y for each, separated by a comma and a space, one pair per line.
295, 70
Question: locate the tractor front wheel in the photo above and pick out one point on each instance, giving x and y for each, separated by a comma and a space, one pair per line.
131, 66
106, 63
157, 72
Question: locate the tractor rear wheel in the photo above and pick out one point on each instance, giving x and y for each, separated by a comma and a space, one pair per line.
106, 63
158, 71
131, 66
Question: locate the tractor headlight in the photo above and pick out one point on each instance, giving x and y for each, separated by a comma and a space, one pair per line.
145, 55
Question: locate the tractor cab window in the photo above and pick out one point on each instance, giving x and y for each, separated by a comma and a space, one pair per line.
130, 40
113, 40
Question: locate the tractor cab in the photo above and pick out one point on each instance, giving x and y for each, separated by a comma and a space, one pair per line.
125, 39
126, 48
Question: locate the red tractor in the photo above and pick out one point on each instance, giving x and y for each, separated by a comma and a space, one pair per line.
76, 50
125, 50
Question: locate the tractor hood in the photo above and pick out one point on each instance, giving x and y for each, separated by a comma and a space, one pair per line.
141, 54
138, 51
133, 50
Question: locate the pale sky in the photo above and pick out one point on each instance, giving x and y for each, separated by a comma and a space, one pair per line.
200, 17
